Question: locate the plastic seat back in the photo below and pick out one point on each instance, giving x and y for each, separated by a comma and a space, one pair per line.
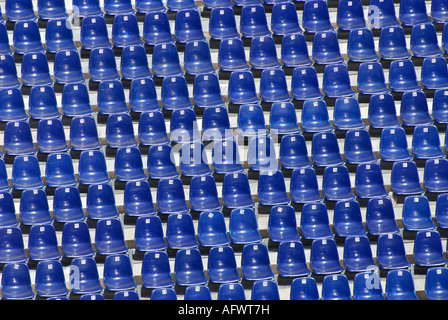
67, 205
253, 21
404, 178
118, 273
400, 285
391, 253
369, 181
76, 241
393, 145
231, 55
336, 183
125, 30
171, 196
305, 84
324, 257
392, 44
101, 202
94, 33
347, 219
156, 28
326, 48
314, 223
92, 168
50, 279
380, 216
255, 262
197, 58
417, 213
59, 35
316, 17
304, 186
188, 26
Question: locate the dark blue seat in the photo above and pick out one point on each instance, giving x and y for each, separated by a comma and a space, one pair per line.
4, 181
200, 292
314, 223
283, 119
441, 213
347, 114
241, 88
434, 73
111, 98
18, 139
163, 294
358, 254
188, 26
358, 147
391, 253
412, 12
197, 58
222, 266
426, 142
156, 270
222, 23
114, 7
215, 124
102, 65
8, 217
265, 290
137, 199
26, 173
380, 216
125, 30
304, 186
12, 246
50, 279
417, 213
34, 70
336, 81
184, 126
367, 286
118, 274
284, 19
152, 128
382, 112
424, 42
231, 55
305, 84
128, 164
316, 17
371, 78
326, 48
255, 262
404, 178
94, 33
435, 283
175, 95
291, 261
67, 205
324, 257
58, 35
392, 44
42, 243
361, 46
350, 15
16, 282
428, 250
188, 268
211, 4
385, 11
193, 160
251, 121
242, 3
369, 181
402, 76
272, 188
8, 78
204, 193
143, 95
304, 288
262, 154
231, 291
92, 168
101, 202
273, 86
282, 224
243, 226
59, 170
325, 150
414, 109
206, 90
293, 152
393, 145
26, 37
76, 241
439, 11
336, 184
171, 196
75, 100
120, 131
336, 287
165, 60
16, 10
149, 235
212, 230
126, 295
400, 285
180, 232
253, 22
347, 219
134, 63
67, 67
225, 157
84, 134
5, 47
156, 28
263, 54
236, 191
294, 51
434, 178
315, 117
52, 9
42, 103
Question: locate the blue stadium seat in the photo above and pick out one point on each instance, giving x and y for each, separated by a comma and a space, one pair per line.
52, 9
369, 181
118, 274
347, 219
125, 31
382, 112
385, 14
111, 98
424, 42
12, 246
283, 119
324, 257
434, 178
171, 197
197, 58
241, 88
426, 142
206, 91
358, 254
304, 288
102, 65
294, 51
392, 44
315, 117
94, 33
16, 10
165, 60
236, 191
156, 28
26, 37
152, 128
291, 261
16, 282
263, 53
231, 291
284, 19
400, 285
75, 100
304, 186
34, 70
67, 67
316, 17
180, 232
59, 170
273, 86
156, 270
393, 145
67, 205
184, 126
265, 290
200, 292
137, 199
417, 213
126, 295
441, 213
188, 268
18, 139
34, 207
149, 235
305, 84
115, 7
314, 223
347, 114
8, 217
175, 95
336, 287
402, 76
272, 188
176, 5
212, 230
243, 226
253, 22
367, 286
225, 157
221, 265
428, 250
42, 243
147, 6
391, 253
211, 4
84, 134
435, 283
222, 23
4, 181
188, 26
101, 202
336, 81
120, 131
204, 193
326, 48
255, 262
163, 294
8, 78
371, 78
358, 147
282, 224
26, 173
336, 184
293, 152
215, 124
414, 109
439, 11
92, 296
231, 55
76, 241
59, 35
129, 165
412, 12
193, 160
242, 3
350, 15
42, 103
434, 73
404, 178
251, 121
50, 279
262, 154
92, 168
5, 47
143, 95
380, 216
325, 150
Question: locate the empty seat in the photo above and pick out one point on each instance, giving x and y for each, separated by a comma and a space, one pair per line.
94, 33
402, 77
262, 154
350, 15
336, 183
197, 58
111, 98
434, 73
253, 22
35, 71
282, 224
438, 11
171, 196
101, 202
156, 271
149, 235
371, 78
16, 282
316, 17
400, 285
118, 273
394, 145
273, 86
12, 249
391, 253
304, 288
392, 44
265, 290
325, 149
326, 48
34, 210
293, 152
428, 249
42, 103
188, 268
412, 12
84, 134
324, 257
18, 139
92, 168
225, 157
347, 219
255, 262
58, 35
211, 4
336, 81
8, 78
76, 241
184, 126
134, 63
206, 90
405, 179
435, 283
163, 294
75, 100
236, 191
156, 28
315, 117
361, 46
67, 67
336, 287
212, 230
137, 199
188, 26
305, 84
102, 65
221, 265
193, 160
347, 114
175, 95
125, 31
291, 261
200, 292
294, 51
314, 223
358, 147
5, 47
367, 286
114, 7
50, 279
243, 226
272, 188
8, 217
128, 164
424, 41
26, 37
222, 23
143, 95
386, 16
232, 56
380, 216
152, 128
165, 60
51, 136
304, 186
42, 243
19, 10
382, 111
417, 213
263, 54
241, 88
284, 19
231, 291
369, 181
426, 142
126, 295
59, 170
283, 118
120, 131
204, 193
441, 213
434, 178
180, 232
215, 124
26, 173
251, 121
67, 205
358, 254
